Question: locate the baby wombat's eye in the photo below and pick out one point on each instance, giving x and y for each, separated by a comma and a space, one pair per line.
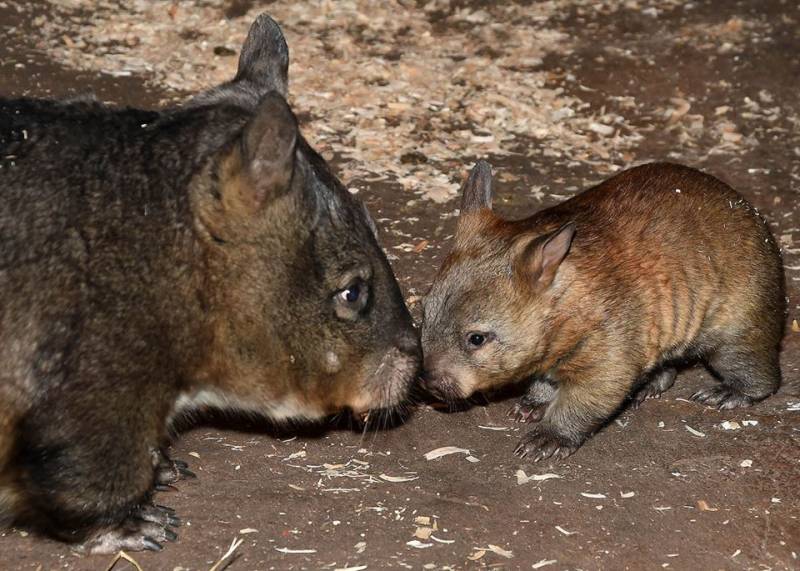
476, 339
351, 300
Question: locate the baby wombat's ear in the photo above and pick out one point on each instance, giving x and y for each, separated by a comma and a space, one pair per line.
264, 60
538, 258
260, 167
476, 193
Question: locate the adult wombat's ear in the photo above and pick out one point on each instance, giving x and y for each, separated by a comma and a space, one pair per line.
264, 60
538, 258
266, 153
476, 193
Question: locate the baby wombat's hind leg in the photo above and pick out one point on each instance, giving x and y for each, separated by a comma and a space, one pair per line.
657, 382
532, 406
747, 375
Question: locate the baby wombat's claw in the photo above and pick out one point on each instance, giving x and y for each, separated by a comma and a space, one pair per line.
524, 412
645, 393
540, 444
722, 397
145, 530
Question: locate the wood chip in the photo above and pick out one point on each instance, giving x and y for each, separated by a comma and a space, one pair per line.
543, 563
477, 555
445, 451
703, 506
695, 432
388, 478
593, 496
500, 551
294, 551
421, 246
418, 544
523, 478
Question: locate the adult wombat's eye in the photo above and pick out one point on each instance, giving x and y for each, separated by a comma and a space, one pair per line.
352, 293
351, 299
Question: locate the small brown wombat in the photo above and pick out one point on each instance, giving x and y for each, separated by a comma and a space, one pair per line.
154, 261
598, 298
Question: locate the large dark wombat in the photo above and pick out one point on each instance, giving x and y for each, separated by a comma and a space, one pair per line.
598, 298
154, 261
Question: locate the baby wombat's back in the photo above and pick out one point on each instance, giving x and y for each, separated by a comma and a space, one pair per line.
684, 251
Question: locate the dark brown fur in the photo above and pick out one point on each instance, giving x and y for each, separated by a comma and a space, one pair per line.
666, 264
153, 262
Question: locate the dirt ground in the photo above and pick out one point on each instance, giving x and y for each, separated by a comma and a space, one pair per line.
557, 95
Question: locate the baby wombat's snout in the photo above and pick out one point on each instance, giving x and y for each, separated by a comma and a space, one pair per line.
595, 300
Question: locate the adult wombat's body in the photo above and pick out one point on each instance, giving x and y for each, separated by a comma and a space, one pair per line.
598, 297
154, 261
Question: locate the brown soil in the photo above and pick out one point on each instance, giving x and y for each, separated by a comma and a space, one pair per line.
666, 486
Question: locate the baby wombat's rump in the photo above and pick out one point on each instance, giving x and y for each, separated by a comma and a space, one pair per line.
155, 261
596, 299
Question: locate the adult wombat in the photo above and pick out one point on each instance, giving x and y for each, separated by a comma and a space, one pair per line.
600, 296
152, 261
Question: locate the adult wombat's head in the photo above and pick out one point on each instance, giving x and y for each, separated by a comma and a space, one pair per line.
307, 318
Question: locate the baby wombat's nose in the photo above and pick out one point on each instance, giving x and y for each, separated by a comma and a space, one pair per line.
408, 342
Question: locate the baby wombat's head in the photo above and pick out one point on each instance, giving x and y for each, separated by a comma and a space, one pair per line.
307, 317
487, 314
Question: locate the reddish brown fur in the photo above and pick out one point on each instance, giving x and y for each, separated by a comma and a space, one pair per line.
666, 264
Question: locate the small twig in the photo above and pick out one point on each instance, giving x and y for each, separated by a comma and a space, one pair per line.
234, 546
126, 557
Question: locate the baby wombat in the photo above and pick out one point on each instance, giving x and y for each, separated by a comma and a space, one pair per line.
598, 298
155, 261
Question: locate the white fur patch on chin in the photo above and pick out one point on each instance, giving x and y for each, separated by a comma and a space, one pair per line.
288, 408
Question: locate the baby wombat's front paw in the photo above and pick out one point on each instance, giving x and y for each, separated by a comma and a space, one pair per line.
543, 442
526, 411
145, 529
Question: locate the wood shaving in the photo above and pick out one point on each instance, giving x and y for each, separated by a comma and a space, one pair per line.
703, 506
295, 551
523, 478
388, 478
445, 451
370, 106
695, 432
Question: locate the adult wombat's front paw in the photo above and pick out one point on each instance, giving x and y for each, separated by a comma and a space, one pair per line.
145, 530
169, 471
544, 442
